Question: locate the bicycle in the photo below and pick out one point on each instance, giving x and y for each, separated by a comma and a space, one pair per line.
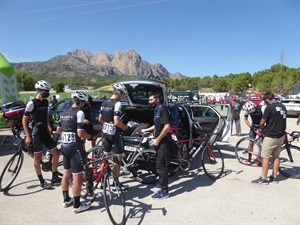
14, 164
98, 175
211, 156
248, 152
140, 158
137, 158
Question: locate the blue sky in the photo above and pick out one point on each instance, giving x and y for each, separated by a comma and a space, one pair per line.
195, 38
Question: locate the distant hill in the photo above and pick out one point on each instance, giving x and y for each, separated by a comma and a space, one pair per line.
85, 66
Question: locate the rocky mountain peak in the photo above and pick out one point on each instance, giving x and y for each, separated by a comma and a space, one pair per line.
88, 66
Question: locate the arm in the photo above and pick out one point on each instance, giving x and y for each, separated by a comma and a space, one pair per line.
262, 124
49, 127
84, 135
28, 139
149, 129
247, 121
119, 123
162, 134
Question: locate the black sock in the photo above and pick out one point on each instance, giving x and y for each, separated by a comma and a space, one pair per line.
76, 201
41, 179
66, 196
54, 175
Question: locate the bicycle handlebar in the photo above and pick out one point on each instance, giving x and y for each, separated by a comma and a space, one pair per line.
294, 135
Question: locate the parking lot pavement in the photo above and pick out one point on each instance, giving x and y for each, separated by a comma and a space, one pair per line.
194, 198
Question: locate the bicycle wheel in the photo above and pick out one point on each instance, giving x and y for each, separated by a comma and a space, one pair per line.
212, 162
244, 153
11, 171
185, 163
95, 152
114, 198
99, 140
287, 168
144, 167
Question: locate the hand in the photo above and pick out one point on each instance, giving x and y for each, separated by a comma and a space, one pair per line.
259, 133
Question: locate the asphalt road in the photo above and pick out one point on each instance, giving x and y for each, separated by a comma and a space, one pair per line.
194, 198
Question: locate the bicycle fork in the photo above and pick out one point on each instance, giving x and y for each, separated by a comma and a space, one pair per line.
288, 149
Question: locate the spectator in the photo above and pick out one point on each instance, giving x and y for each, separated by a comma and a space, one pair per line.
54, 100
273, 125
235, 112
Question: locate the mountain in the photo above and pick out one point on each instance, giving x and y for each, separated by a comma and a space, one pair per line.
83, 65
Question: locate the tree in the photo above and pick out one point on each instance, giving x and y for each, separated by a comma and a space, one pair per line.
59, 87
25, 81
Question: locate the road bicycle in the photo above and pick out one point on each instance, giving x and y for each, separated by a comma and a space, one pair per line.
14, 164
248, 152
212, 159
98, 176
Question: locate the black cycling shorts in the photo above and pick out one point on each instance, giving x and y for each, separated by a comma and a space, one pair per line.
113, 140
74, 157
40, 136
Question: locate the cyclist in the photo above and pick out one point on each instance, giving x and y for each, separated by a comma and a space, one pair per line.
71, 128
42, 133
256, 114
162, 143
113, 128
88, 126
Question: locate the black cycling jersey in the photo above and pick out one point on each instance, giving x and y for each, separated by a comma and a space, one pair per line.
112, 135
255, 116
70, 121
109, 109
38, 110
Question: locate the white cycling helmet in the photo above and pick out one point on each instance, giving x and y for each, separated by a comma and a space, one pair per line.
80, 95
121, 87
249, 107
42, 85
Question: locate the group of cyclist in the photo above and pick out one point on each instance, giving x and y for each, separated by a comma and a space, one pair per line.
75, 127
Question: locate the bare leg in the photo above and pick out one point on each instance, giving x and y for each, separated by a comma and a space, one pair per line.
36, 162
65, 180
275, 166
265, 167
55, 158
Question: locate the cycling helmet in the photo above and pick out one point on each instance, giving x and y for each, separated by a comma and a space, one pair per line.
249, 107
121, 87
42, 85
80, 95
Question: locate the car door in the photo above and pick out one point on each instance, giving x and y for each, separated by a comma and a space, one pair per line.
54, 112
213, 119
